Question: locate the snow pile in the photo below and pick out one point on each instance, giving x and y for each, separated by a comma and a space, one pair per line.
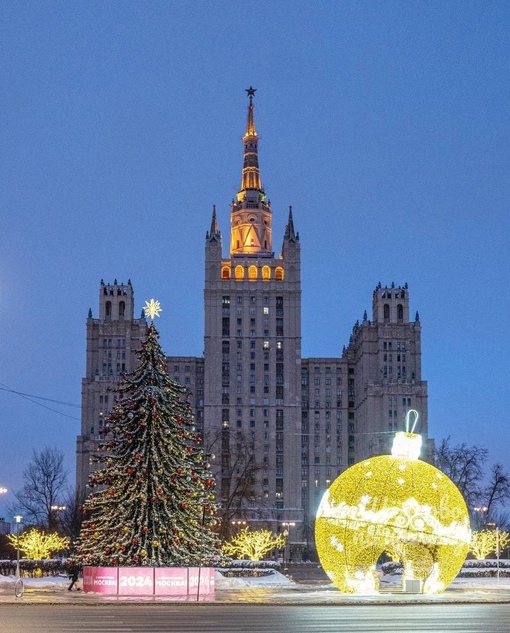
275, 579
46, 582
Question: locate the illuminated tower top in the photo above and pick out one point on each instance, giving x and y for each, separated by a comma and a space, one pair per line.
250, 213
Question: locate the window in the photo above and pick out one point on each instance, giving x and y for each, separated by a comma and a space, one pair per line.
279, 274
266, 310
122, 309
400, 313
239, 272
225, 301
386, 312
252, 273
266, 273
225, 272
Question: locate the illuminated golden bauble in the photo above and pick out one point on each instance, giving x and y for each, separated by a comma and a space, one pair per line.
395, 504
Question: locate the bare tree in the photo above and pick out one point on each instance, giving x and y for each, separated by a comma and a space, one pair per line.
71, 516
45, 486
237, 487
464, 465
496, 492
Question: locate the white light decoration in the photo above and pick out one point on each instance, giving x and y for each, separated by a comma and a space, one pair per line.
396, 504
152, 308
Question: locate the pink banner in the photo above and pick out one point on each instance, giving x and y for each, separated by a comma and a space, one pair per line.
100, 579
136, 581
206, 580
171, 581
148, 581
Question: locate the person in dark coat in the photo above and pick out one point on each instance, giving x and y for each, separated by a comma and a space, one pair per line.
73, 577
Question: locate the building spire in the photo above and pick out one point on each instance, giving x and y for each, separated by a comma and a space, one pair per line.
290, 233
214, 233
251, 173
251, 215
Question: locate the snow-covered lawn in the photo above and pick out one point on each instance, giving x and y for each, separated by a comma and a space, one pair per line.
59, 583
275, 580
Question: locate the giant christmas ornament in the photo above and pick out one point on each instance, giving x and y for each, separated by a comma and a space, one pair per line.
394, 504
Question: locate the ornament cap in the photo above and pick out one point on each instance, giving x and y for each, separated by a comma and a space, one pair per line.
406, 445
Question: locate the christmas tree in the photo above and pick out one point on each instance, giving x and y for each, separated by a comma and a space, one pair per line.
154, 498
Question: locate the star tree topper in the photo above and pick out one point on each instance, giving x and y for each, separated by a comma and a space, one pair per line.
152, 308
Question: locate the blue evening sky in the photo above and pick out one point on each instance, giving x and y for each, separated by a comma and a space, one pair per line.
383, 123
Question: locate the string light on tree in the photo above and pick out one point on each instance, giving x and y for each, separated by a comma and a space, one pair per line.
396, 504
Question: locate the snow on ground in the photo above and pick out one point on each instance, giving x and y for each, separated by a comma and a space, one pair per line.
59, 583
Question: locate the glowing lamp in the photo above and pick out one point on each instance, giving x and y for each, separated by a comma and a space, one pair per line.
398, 505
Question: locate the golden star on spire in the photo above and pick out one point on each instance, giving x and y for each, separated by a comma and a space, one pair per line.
152, 308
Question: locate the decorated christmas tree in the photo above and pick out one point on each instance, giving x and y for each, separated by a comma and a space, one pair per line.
153, 502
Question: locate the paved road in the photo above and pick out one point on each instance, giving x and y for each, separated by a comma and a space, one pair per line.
236, 618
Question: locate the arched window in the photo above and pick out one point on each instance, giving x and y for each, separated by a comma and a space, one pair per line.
386, 312
266, 273
400, 313
225, 272
108, 312
122, 309
239, 272
278, 274
252, 273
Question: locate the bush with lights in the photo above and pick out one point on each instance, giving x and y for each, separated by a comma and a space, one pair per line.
153, 502
36, 545
253, 544
394, 504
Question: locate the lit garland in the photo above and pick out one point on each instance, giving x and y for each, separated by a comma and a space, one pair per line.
395, 504
155, 502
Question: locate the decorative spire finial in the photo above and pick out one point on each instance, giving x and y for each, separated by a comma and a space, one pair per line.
251, 93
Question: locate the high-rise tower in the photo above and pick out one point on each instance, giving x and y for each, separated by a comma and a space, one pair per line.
253, 348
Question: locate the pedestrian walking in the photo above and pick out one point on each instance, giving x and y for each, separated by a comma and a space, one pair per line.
73, 577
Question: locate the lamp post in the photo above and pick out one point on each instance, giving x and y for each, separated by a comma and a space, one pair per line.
483, 510
286, 554
497, 549
18, 518
238, 523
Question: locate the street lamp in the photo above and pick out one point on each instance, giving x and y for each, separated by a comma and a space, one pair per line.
287, 525
18, 518
238, 523
497, 548
483, 510
55, 509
